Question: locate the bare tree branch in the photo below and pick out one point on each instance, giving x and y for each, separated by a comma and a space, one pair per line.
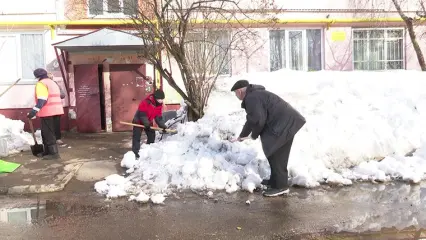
384, 8
410, 28
197, 35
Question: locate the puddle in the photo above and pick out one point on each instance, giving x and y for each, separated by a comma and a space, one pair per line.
23, 215
362, 211
45, 210
385, 234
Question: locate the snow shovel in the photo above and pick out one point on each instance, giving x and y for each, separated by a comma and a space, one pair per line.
153, 128
37, 148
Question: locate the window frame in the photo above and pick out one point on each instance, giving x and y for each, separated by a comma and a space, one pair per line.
305, 46
228, 33
105, 13
404, 60
17, 35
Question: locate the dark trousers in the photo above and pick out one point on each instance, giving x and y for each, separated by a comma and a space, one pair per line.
48, 131
278, 162
57, 122
136, 139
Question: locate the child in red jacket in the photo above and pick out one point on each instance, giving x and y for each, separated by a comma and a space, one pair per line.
150, 109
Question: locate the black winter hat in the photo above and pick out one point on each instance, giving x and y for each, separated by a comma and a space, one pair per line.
240, 84
159, 94
40, 72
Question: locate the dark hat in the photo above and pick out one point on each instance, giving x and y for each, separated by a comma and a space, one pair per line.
40, 72
159, 94
240, 84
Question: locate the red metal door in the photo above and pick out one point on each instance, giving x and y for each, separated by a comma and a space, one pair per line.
88, 100
128, 87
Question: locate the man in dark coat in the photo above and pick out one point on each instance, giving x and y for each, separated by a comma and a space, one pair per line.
276, 122
150, 109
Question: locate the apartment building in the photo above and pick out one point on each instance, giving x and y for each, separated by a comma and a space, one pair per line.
95, 59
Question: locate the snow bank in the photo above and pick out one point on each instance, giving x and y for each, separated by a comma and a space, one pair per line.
13, 138
352, 118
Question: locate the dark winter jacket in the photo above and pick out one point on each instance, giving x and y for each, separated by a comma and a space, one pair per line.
269, 117
148, 111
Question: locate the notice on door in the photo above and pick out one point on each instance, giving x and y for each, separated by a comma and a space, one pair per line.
338, 36
83, 91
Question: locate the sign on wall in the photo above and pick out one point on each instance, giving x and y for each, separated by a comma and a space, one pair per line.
338, 36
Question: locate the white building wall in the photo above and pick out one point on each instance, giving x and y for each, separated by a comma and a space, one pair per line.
11, 63
337, 54
13, 69
31, 10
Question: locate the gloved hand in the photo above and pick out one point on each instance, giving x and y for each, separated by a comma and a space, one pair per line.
32, 114
164, 130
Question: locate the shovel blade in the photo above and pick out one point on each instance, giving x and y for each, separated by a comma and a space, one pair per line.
37, 149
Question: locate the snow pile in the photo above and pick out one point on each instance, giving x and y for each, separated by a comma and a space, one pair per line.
13, 136
129, 161
352, 119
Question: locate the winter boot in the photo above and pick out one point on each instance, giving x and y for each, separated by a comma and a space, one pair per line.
53, 153
45, 152
265, 182
61, 143
274, 192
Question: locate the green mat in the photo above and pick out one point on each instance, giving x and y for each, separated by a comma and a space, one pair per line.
8, 167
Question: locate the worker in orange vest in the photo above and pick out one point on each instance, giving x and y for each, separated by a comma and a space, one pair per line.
48, 108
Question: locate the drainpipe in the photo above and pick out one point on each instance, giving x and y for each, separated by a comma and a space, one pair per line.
52, 31
65, 80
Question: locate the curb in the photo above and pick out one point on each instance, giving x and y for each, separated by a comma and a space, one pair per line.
61, 180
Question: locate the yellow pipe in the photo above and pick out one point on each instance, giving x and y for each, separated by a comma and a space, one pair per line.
75, 22
201, 21
52, 32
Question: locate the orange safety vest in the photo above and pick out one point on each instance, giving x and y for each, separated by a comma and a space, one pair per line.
53, 105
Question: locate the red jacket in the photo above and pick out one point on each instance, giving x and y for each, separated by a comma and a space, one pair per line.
150, 109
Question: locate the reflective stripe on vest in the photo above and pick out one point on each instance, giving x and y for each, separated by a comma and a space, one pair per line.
53, 105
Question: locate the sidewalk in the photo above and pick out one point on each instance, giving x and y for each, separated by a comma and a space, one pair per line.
84, 152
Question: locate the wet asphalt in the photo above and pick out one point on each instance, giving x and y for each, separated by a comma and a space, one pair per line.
362, 211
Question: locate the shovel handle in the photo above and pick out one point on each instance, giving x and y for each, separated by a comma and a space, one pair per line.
7, 89
153, 128
32, 130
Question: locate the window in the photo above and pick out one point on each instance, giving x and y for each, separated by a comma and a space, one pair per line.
296, 49
113, 7
20, 54
378, 49
209, 51
277, 49
32, 54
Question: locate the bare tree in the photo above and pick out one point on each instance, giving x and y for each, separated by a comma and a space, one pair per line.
390, 8
197, 35
410, 22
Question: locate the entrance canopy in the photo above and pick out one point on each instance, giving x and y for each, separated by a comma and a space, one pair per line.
104, 39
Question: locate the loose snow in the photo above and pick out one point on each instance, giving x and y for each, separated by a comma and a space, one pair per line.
353, 118
13, 139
